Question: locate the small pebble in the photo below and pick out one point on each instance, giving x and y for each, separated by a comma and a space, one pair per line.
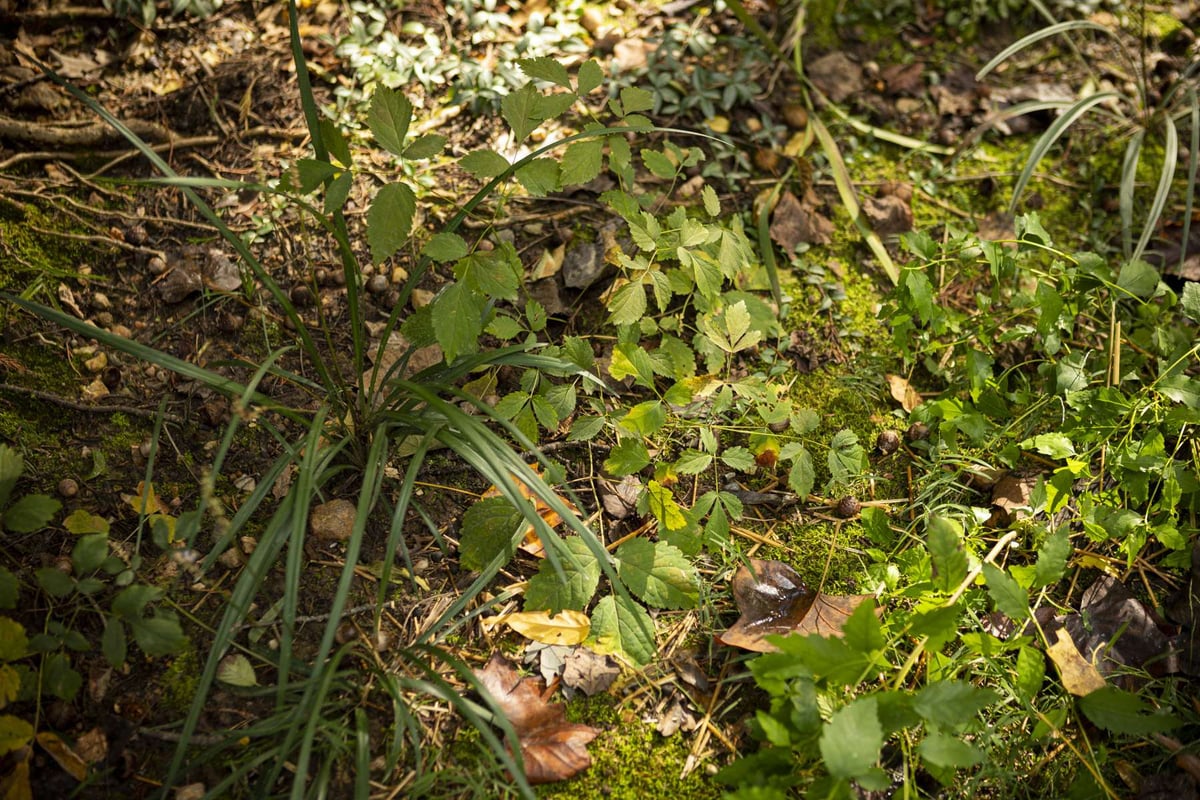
377, 284
157, 265
68, 488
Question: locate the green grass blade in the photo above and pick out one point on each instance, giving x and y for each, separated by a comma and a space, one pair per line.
1038, 36
1127, 188
845, 187
1163, 189
1052, 134
1193, 161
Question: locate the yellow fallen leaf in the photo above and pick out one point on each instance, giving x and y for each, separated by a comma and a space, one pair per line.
63, 755
903, 392
1079, 676
718, 124
565, 627
549, 264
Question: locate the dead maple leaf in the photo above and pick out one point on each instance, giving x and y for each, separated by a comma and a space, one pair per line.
774, 600
531, 543
795, 222
551, 748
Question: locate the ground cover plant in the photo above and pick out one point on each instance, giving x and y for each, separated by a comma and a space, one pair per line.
663, 402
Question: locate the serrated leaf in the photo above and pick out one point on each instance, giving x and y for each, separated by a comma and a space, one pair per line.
89, 552
658, 573
337, 192
113, 643
504, 327
1119, 711
457, 320
1054, 445
1138, 278
692, 462
545, 69
622, 627
13, 641
802, 475
739, 458
943, 750
851, 740
55, 582
445, 247
584, 429
389, 118
15, 733
539, 176
484, 163
59, 678
627, 457
627, 305
489, 529
645, 418
846, 457
10, 589
519, 110
581, 162
1031, 673
550, 590
635, 99
944, 542
589, 77
426, 146
390, 220
1190, 300
1007, 595
236, 670
664, 508
952, 704
1052, 558
659, 164
335, 142
159, 635
492, 273
32, 512
712, 205
314, 173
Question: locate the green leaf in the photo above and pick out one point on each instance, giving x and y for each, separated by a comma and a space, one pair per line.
712, 204
738, 458
581, 161
1138, 278
112, 642
846, 457
159, 635
943, 540
457, 320
10, 589
1006, 593
492, 273
11, 467
484, 163
1031, 673
635, 99
539, 176
425, 146
389, 118
1052, 558
13, 641
584, 429
132, 601
944, 750
1119, 711
659, 164
1054, 445
627, 305
951, 704
863, 631
31, 513
490, 528
55, 582
519, 110
15, 733
664, 508
802, 475
504, 327
545, 69
1190, 299
80, 522
851, 740
645, 418
236, 670
692, 462
589, 77
58, 678
658, 573
622, 627
445, 247
551, 591
390, 219
89, 552
938, 625
335, 142
314, 173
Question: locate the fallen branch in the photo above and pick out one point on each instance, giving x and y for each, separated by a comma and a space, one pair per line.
82, 134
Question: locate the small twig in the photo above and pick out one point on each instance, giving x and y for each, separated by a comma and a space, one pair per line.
79, 406
201, 739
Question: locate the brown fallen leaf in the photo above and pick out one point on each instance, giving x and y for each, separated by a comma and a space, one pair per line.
774, 600
795, 222
589, 672
551, 748
63, 755
903, 392
1011, 499
531, 543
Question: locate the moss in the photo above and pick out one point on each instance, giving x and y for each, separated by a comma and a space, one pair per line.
35, 257
179, 681
630, 760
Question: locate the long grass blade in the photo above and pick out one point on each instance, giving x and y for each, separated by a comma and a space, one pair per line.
1163, 189
1038, 36
1127, 188
1052, 134
845, 187
1193, 161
